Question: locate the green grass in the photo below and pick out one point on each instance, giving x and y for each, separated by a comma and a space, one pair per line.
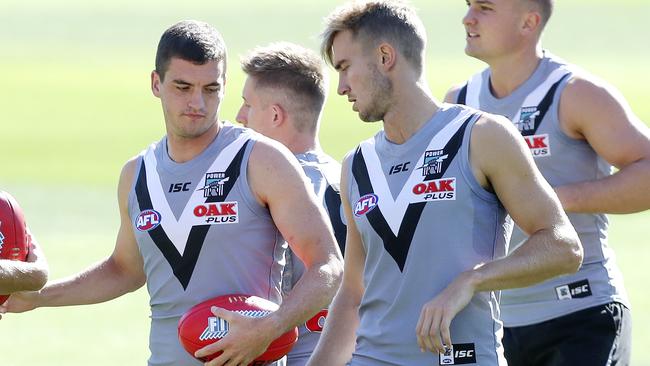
76, 104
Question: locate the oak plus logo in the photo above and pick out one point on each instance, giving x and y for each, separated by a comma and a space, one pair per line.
218, 213
435, 190
539, 145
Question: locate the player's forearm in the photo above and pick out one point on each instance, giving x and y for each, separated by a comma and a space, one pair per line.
338, 339
546, 254
626, 191
313, 292
21, 276
102, 282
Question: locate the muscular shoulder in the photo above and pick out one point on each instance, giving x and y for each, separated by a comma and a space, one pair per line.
588, 99
495, 142
272, 166
126, 178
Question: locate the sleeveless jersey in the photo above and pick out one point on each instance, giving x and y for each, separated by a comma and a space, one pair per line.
324, 173
201, 234
423, 219
534, 109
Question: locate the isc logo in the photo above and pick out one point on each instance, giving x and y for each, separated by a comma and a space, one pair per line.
365, 204
147, 220
459, 354
573, 290
539, 145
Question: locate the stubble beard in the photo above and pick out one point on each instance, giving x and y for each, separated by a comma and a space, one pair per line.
380, 97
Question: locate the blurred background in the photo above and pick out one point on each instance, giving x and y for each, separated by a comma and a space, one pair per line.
75, 104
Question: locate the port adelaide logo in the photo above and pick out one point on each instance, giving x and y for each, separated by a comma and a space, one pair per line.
527, 119
214, 182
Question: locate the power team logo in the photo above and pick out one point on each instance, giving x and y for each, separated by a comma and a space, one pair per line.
436, 190
459, 354
539, 145
573, 290
527, 119
147, 220
365, 204
433, 160
218, 213
214, 182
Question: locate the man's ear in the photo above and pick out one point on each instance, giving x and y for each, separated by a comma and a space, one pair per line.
531, 22
155, 83
387, 56
279, 115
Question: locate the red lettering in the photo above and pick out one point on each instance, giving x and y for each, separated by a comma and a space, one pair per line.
213, 210
227, 209
419, 188
200, 211
445, 185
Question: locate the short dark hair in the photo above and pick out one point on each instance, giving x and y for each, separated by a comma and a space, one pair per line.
189, 40
294, 69
545, 9
375, 21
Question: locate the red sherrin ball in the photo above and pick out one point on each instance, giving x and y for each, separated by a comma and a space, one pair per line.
198, 327
13, 232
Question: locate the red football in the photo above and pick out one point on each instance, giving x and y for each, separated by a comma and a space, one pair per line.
198, 327
13, 232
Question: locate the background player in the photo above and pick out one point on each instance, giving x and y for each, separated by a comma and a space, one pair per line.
577, 127
202, 214
425, 199
283, 99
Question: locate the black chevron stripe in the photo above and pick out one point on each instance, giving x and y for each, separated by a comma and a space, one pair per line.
398, 246
183, 265
543, 107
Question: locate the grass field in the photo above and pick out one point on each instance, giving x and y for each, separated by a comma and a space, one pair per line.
76, 104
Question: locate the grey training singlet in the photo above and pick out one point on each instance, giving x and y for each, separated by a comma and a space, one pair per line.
534, 109
201, 234
324, 173
424, 219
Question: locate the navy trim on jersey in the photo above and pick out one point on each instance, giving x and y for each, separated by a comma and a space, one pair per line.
543, 107
333, 204
183, 265
462, 95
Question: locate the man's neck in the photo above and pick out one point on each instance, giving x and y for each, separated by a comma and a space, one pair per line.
412, 108
299, 143
181, 149
510, 72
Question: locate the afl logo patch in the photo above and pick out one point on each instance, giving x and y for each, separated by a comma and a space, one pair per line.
365, 204
147, 220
